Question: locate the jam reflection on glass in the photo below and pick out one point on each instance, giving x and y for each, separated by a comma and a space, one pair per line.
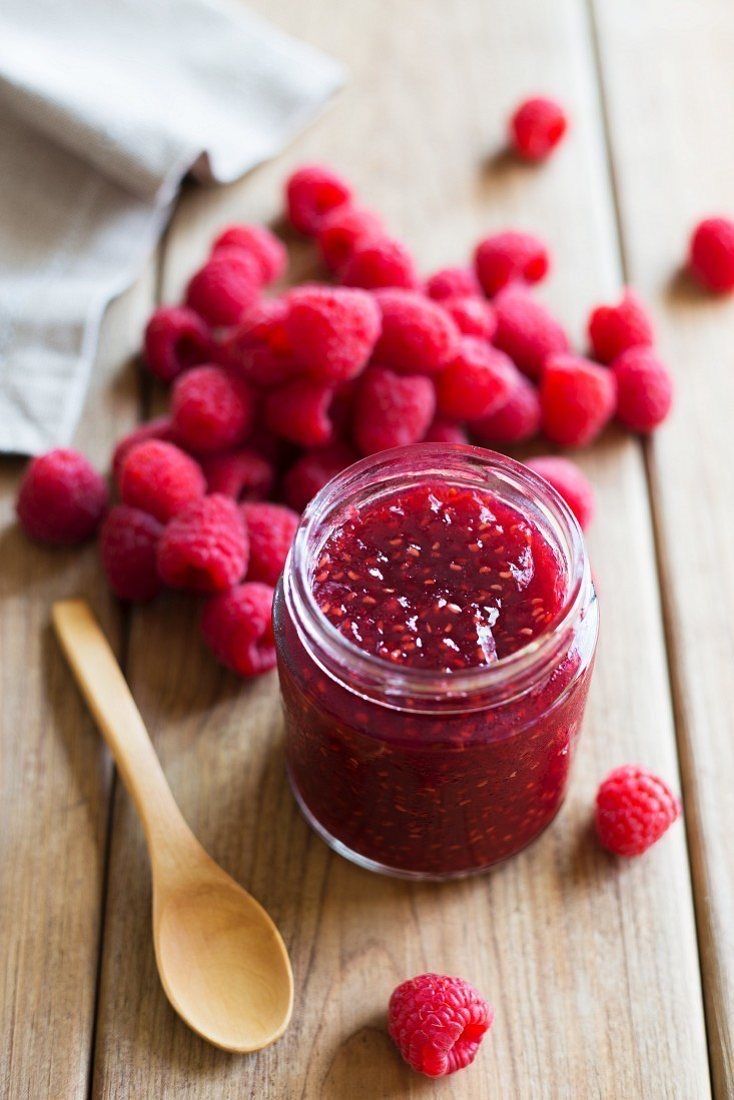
435, 583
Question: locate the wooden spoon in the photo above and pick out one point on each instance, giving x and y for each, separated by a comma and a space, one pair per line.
221, 960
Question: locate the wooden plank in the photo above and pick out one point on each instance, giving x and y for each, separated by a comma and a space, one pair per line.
55, 774
574, 949
670, 174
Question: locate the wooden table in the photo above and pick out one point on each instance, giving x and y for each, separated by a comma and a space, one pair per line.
609, 979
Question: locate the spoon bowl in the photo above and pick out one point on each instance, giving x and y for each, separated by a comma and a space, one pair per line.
220, 957
237, 990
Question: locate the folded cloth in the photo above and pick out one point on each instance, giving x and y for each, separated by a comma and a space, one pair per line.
104, 106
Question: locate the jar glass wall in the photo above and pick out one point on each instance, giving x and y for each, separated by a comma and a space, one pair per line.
425, 773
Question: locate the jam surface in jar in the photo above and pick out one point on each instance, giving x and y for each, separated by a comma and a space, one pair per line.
438, 577
434, 665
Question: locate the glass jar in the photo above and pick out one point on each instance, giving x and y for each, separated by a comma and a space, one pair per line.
427, 774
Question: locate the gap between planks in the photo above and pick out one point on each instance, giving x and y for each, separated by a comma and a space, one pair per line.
657, 534
152, 276
672, 169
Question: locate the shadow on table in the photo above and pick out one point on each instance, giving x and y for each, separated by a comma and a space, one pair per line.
683, 290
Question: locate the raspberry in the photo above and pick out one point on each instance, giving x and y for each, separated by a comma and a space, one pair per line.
517, 421
345, 229
526, 331
225, 287
176, 338
711, 257
536, 127
452, 282
417, 333
205, 547
299, 412
633, 809
128, 542
614, 329
159, 428
478, 381
61, 498
264, 247
159, 478
212, 409
380, 263
238, 628
472, 316
644, 389
242, 475
258, 349
332, 329
510, 257
392, 410
437, 1023
308, 474
577, 398
570, 483
311, 193
270, 528
445, 431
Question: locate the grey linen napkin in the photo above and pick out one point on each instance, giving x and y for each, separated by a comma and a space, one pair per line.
104, 106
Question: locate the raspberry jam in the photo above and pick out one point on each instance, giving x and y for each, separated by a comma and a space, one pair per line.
436, 627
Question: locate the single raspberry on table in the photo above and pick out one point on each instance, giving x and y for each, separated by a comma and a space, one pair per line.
205, 547
445, 431
510, 257
258, 348
570, 483
238, 628
452, 282
242, 475
382, 262
472, 316
256, 240
160, 478
418, 336
644, 389
711, 254
536, 127
299, 412
437, 1023
309, 473
517, 421
270, 528
333, 330
345, 229
634, 807
61, 498
226, 286
392, 410
175, 339
478, 380
128, 544
161, 428
614, 329
311, 193
577, 399
212, 409
526, 331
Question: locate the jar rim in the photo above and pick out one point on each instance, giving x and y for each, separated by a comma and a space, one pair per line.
333, 650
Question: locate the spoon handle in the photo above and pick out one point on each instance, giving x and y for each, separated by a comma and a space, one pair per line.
101, 681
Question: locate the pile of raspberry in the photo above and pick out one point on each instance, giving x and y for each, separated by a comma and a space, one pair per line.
272, 394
